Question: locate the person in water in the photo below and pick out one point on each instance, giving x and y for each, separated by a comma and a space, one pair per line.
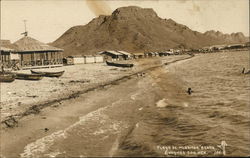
243, 71
189, 91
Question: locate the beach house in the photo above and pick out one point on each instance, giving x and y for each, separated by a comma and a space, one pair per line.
111, 55
33, 53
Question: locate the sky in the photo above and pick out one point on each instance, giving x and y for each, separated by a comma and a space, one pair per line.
47, 20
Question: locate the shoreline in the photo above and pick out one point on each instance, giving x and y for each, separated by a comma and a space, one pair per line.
12, 120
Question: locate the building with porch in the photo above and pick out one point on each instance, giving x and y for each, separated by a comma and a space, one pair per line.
111, 55
33, 53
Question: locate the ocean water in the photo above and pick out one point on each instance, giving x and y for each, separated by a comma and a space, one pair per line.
154, 116
217, 113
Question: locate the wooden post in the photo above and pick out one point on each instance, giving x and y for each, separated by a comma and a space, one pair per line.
56, 56
61, 58
21, 59
34, 58
42, 57
52, 58
31, 58
48, 57
9, 59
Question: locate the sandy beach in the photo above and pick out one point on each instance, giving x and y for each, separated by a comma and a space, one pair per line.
18, 96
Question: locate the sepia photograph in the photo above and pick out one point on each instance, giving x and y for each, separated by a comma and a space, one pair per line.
124, 78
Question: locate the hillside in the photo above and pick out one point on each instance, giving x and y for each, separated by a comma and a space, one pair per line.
136, 29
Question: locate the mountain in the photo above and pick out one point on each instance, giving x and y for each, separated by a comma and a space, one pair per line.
136, 29
226, 38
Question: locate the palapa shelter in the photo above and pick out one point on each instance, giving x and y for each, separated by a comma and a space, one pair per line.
35, 53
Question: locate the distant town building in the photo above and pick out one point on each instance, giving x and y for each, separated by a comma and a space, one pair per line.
99, 59
112, 55
126, 55
74, 60
149, 54
84, 59
88, 59
165, 53
138, 55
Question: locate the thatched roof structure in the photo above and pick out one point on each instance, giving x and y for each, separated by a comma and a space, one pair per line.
7, 44
4, 49
28, 44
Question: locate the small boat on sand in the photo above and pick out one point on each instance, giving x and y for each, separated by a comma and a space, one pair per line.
119, 65
23, 76
7, 77
48, 74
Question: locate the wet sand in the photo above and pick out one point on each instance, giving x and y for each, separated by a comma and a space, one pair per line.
143, 115
19, 96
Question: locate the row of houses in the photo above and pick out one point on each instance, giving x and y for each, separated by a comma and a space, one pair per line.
223, 47
111, 55
85, 59
122, 55
29, 52
98, 58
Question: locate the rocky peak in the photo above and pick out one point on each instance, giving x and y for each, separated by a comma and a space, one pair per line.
136, 29
133, 12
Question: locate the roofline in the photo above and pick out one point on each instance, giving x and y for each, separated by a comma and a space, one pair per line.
23, 51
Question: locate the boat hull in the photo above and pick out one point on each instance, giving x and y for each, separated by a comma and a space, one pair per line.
22, 76
7, 77
48, 74
119, 65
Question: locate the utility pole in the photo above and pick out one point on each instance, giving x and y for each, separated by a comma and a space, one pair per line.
25, 29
